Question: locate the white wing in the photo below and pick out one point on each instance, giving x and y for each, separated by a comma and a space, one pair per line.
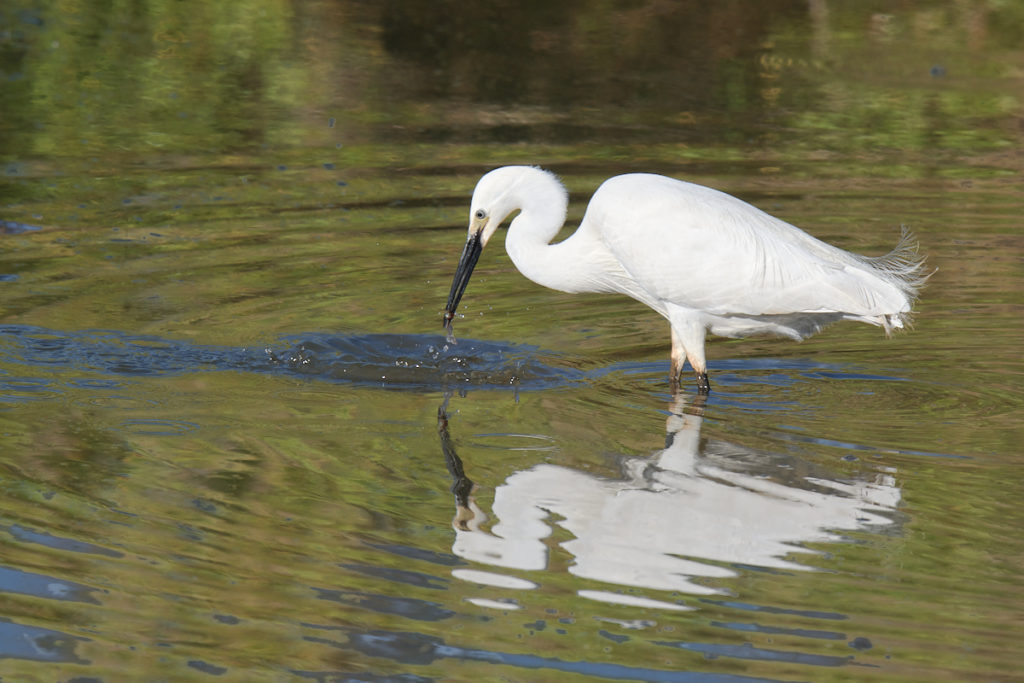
706, 250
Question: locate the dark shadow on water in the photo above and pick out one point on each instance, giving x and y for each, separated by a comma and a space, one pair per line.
420, 649
421, 362
106, 359
390, 361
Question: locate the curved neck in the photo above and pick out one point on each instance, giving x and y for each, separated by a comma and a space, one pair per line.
527, 243
579, 263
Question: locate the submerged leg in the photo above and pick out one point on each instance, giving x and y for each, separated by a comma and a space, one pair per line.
703, 385
675, 371
688, 345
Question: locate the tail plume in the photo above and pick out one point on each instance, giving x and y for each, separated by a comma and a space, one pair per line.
905, 269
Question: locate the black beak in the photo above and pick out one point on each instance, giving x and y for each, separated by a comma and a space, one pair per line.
470, 255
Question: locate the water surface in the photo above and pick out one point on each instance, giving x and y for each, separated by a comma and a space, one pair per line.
236, 444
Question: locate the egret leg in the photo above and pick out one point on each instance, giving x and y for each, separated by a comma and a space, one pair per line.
703, 385
675, 371
688, 345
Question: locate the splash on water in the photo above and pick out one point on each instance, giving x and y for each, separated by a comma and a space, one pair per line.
411, 362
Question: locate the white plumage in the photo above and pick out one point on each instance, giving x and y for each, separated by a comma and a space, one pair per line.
704, 260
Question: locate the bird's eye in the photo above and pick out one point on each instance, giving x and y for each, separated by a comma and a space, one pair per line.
480, 214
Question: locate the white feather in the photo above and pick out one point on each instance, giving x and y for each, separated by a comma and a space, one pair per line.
703, 259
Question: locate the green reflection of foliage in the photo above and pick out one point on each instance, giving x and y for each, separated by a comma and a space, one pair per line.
155, 76
929, 79
169, 77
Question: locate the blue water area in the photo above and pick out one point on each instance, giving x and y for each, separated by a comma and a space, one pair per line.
410, 362
419, 649
16, 228
422, 363
20, 641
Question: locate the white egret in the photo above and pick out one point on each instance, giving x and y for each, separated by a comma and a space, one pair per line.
703, 259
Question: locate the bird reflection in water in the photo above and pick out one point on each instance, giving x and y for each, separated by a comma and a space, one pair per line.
688, 516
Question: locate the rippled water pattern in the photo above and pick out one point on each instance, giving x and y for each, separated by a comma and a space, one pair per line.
237, 446
412, 362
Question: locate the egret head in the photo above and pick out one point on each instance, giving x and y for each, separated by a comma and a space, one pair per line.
498, 194
493, 200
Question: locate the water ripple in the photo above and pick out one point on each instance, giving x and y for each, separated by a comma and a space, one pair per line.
18, 641
58, 542
420, 649
156, 427
40, 585
416, 362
